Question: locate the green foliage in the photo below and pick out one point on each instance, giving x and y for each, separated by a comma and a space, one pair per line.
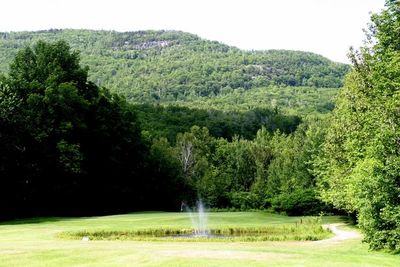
248, 174
169, 66
55, 123
299, 202
167, 121
291, 166
246, 200
63, 136
360, 165
299, 101
50, 108
70, 156
219, 123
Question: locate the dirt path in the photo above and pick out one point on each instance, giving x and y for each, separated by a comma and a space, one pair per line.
340, 234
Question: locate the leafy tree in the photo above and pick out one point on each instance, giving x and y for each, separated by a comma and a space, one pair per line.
291, 166
359, 169
299, 202
262, 153
63, 136
193, 150
165, 178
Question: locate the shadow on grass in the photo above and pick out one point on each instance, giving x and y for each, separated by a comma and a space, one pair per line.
38, 220
35, 220
338, 219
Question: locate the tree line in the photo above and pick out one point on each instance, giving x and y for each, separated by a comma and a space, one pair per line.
167, 121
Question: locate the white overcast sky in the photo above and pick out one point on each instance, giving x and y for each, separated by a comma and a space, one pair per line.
326, 27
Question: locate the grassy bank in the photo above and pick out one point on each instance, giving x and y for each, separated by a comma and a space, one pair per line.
303, 230
35, 243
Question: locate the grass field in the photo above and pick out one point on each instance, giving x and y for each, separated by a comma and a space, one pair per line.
35, 243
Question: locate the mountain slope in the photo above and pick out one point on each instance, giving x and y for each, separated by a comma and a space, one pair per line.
170, 65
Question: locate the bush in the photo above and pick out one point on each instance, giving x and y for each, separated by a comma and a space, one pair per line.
299, 202
246, 201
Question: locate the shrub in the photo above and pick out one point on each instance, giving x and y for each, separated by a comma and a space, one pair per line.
299, 202
247, 201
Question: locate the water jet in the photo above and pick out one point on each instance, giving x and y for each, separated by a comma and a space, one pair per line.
198, 218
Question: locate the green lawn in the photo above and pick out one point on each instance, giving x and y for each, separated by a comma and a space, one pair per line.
34, 243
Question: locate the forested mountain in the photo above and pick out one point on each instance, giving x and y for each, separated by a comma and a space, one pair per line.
238, 117
171, 65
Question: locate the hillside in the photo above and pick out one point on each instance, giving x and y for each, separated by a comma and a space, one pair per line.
174, 66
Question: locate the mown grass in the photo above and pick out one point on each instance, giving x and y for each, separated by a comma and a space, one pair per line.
34, 243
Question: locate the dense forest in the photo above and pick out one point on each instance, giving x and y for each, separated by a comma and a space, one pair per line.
168, 65
164, 117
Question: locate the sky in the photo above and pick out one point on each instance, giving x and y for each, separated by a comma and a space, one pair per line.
326, 27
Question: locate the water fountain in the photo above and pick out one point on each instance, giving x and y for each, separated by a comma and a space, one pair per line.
198, 219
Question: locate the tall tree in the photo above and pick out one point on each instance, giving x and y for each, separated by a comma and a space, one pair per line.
66, 143
360, 165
